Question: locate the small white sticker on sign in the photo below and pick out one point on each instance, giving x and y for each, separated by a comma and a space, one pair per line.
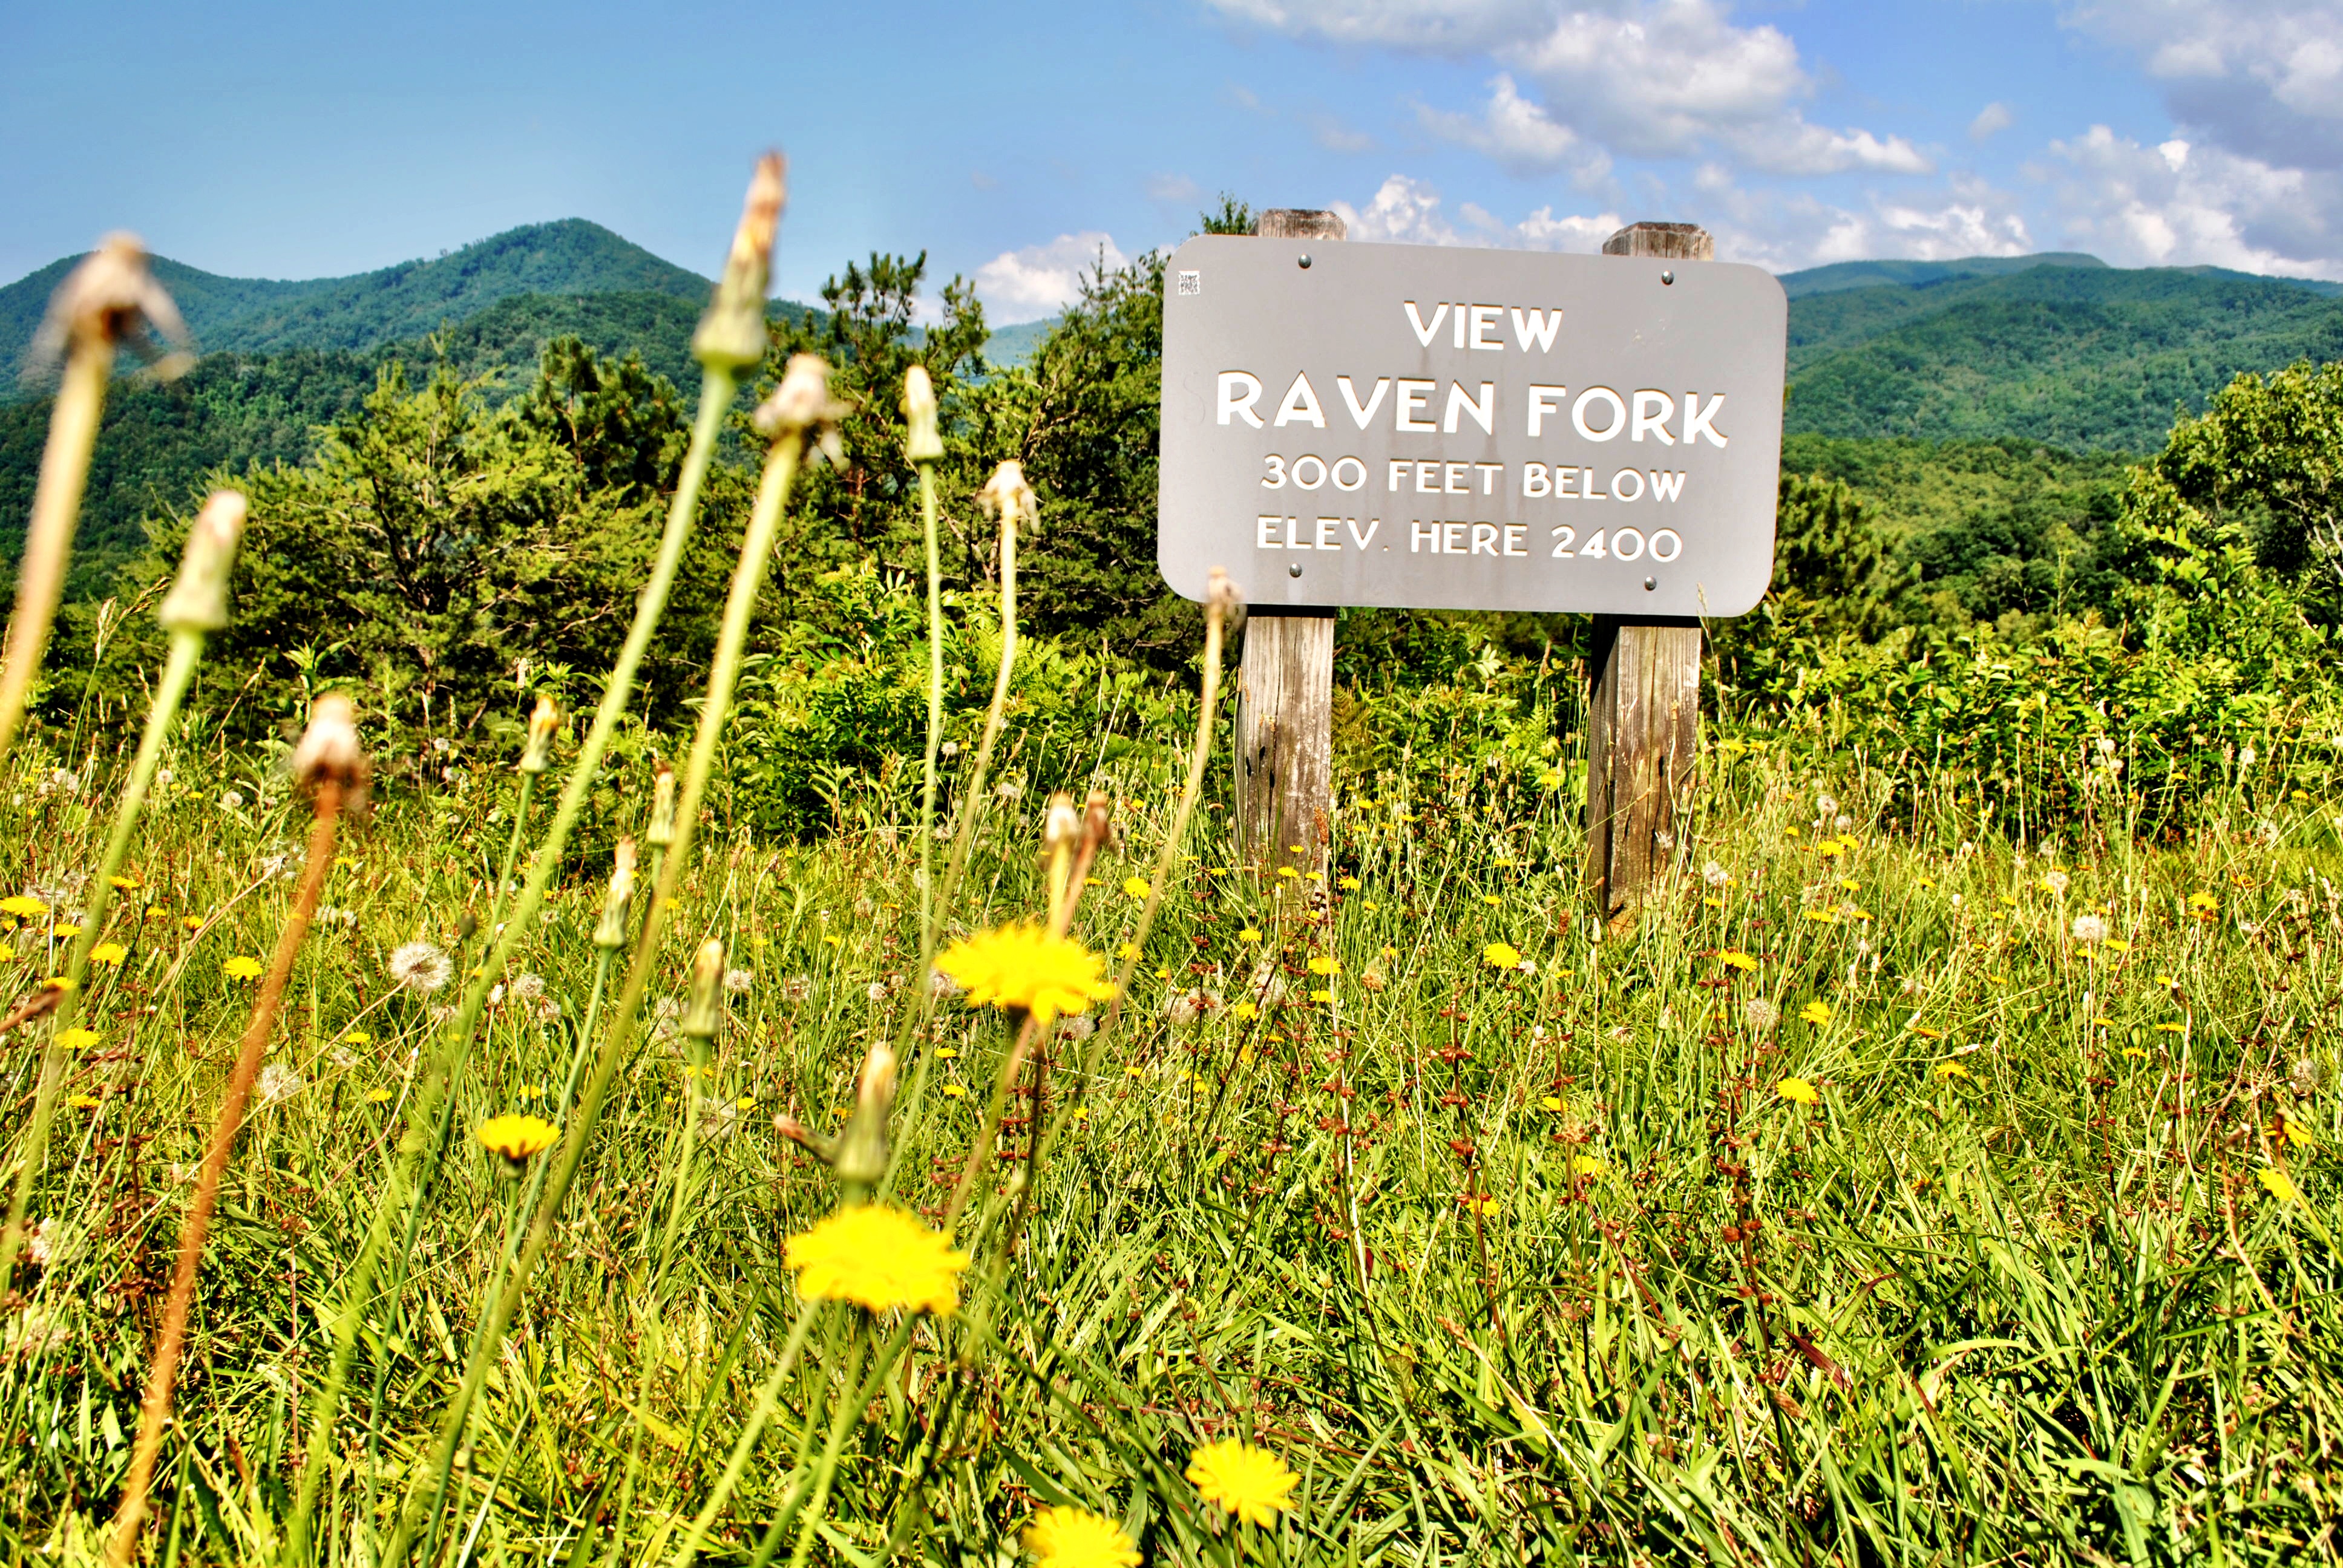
1192, 283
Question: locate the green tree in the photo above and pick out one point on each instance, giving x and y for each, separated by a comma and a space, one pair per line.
436, 552
2266, 458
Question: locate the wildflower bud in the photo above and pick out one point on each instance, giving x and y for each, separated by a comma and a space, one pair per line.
542, 723
924, 445
707, 1004
801, 408
732, 334
1008, 496
860, 1157
611, 933
198, 599
1060, 830
108, 300
1223, 599
661, 832
329, 751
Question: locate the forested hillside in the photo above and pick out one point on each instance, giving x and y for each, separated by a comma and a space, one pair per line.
2084, 357
1978, 411
255, 315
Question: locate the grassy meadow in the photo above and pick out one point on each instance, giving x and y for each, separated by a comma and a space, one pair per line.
777, 1105
1513, 1252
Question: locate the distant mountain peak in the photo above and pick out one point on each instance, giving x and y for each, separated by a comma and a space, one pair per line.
366, 310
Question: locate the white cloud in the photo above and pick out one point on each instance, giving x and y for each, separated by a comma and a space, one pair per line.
1042, 279
1995, 117
1403, 211
1517, 134
2262, 78
1175, 190
1407, 211
2179, 203
1792, 146
1638, 78
1451, 26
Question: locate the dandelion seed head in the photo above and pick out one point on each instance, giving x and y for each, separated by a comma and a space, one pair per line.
421, 968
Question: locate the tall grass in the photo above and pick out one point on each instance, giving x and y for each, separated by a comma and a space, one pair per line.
1620, 1297
1914, 1181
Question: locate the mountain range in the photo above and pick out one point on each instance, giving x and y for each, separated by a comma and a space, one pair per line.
2057, 349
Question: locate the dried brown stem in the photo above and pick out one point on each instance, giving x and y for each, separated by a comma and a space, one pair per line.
163, 1374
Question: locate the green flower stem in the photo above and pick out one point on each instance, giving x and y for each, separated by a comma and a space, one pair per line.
848, 1412
650, 1352
964, 836
179, 673
716, 386
769, 1399
48, 535
935, 740
748, 578
512, 850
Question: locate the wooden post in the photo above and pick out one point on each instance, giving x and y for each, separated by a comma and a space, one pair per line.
1643, 712
1285, 689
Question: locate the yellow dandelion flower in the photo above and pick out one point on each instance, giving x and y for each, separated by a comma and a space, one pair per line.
1551, 1102
1077, 1538
946, 1052
1349, 884
126, 883
1492, 901
518, 1137
2172, 1029
2279, 1185
1951, 1069
1289, 871
1127, 950
241, 968
193, 922
83, 1102
77, 1038
1815, 1012
1136, 887
1322, 996
2167, 981
1733, 958
1250, 1483
1023, 967
1823, 917
1586, 1165
376, 1096
358, 1037
1244, 1011
57, 982
1484, 1207
1373, 908
2116, 945
1326, 964
65, 931
2204, 906
23, 906
1713, 903
108, 953
1798, 1091
877, 1258
1924, 1032
1249, 934
2133, 1053
2295, 1133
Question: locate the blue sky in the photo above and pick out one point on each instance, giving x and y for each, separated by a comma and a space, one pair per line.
1012, 142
